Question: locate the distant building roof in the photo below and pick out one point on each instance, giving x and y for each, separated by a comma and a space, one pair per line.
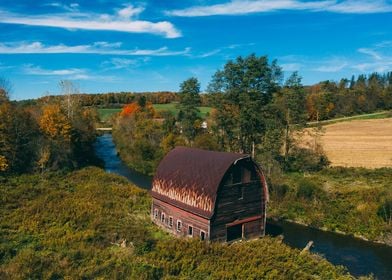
189, 178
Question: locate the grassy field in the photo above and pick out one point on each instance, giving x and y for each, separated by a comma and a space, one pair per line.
106, 113
337, 199
377, 115
357, 143
92, 225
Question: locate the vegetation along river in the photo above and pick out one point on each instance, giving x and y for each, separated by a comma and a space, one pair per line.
360, 257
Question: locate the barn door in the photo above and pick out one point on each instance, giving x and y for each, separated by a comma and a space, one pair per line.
234, 232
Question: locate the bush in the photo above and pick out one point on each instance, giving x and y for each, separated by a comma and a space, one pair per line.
301, 159
384, 211
280, 190
308, 189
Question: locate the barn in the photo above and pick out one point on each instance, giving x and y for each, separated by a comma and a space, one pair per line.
209, 195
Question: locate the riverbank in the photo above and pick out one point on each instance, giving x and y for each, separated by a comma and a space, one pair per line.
348, 201
96, 225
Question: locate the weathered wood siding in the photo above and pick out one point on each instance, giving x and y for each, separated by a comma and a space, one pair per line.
239, 202
187, 219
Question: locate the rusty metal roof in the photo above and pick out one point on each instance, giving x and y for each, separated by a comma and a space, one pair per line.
189, 178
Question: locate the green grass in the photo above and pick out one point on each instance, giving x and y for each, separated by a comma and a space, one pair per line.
341, 199
106, 113
69, 226
377, 115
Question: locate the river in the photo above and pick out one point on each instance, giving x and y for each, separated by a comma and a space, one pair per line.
359, 256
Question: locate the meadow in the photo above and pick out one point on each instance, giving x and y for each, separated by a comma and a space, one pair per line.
89, 224
106, 113
355, 201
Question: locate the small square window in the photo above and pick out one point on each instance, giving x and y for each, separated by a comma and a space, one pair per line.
170, 221
202, 235
179, 225
190, 230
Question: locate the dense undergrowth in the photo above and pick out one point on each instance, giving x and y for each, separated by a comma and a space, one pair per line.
72, 226
350, 200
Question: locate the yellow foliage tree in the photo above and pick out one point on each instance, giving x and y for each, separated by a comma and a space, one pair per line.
3, 163
54, 123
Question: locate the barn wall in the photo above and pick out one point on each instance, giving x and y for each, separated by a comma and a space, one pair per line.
187, 219
239, 202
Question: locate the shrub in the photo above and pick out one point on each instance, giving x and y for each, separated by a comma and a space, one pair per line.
301, 159
308, 189
280, 190
385, 209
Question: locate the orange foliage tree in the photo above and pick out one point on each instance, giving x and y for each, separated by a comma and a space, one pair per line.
54, 123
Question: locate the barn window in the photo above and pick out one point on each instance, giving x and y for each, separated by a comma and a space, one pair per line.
190, 230
170, 221
202, 235
179, 225
156, 214
163, 217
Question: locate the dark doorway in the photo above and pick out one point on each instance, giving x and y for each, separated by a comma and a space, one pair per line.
234, 232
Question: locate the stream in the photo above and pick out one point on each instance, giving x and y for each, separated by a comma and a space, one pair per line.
359, 256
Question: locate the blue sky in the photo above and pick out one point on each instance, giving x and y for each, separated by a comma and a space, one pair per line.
154, 45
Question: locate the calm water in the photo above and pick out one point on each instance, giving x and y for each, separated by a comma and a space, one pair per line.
360, 257
106, 150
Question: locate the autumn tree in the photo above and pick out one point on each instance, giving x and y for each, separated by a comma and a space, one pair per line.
5, 89
18, 138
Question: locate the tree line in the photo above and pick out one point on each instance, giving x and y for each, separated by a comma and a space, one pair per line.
255, 112
54, 135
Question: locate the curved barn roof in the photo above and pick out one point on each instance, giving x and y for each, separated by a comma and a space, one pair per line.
189, 178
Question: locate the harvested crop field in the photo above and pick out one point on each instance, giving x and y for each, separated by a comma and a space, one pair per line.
359, 143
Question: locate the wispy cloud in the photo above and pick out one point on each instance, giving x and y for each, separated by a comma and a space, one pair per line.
73, 7
104, 48
370, 52
291, 66
331, 67
378, 58
238, 7
116, 63
30, 69
122, 21
69, 73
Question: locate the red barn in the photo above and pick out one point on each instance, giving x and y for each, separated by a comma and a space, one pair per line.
209, 195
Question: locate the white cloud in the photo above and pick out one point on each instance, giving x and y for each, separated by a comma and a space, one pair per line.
122, 21
104, 48
360, 7
123, 63
73, 7
291, 66
30, 69
332, 67
237, 7
370, 52
70, 73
